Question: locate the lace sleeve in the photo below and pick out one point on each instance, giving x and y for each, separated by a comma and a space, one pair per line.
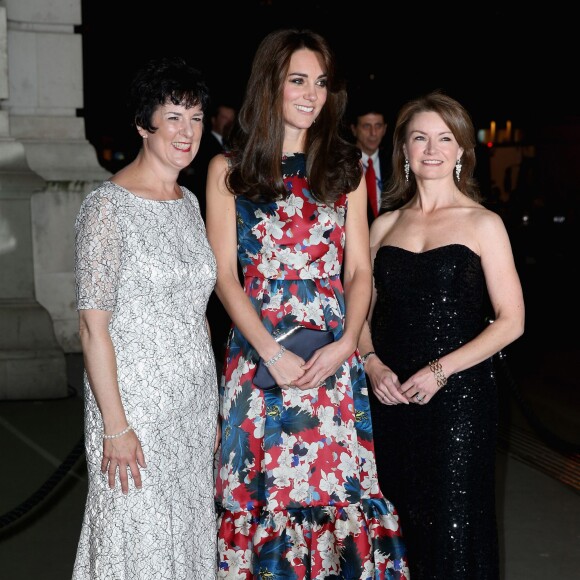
97, 253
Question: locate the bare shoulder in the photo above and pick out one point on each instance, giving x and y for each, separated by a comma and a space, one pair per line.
218, 163
216, 176
484, 220
382, 225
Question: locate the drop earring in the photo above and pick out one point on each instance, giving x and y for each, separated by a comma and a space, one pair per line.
458, 167
407, 168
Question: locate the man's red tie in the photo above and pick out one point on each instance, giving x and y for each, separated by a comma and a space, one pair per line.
371, 179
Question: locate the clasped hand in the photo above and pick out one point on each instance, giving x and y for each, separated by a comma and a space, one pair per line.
292, 371
419, 388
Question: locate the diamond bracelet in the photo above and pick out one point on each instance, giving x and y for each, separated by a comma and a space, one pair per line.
276, 357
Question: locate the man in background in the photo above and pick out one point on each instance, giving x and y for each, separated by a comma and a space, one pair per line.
369, 127
213, 141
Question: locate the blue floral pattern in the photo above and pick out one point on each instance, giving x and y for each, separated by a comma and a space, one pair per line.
296, 491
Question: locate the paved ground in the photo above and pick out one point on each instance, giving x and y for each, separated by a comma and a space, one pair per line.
538, 486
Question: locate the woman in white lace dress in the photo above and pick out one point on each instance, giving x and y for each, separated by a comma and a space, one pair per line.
144, 273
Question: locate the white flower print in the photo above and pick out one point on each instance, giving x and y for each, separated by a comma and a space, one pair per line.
299, 259
313, 312
275, 302
331, 215
233, 386
292, 205
300, 492
285, 256
330, 259
269, 268
301, 471
325, 414
280, 520
299, 549
296, 264
269, 247
390, 521
243, 525
328, 552
296, 307
310, 272
273, 226
299, 398
237, 559
336, 396
350, 526
317, 235
282, 476
311, 454
329, 483
348, 465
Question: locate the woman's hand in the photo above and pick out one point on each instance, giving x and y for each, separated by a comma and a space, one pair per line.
384, 382
324, 363
421, 387
123, 453
287, 369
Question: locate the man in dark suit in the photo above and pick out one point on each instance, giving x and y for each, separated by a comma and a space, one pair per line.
369, 127
194, 177
213, 141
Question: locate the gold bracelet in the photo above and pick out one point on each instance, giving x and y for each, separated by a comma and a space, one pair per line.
437, 370
120, 434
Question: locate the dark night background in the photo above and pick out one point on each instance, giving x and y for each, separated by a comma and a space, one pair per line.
501, 62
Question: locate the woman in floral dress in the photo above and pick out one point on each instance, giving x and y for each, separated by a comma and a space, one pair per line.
296, 491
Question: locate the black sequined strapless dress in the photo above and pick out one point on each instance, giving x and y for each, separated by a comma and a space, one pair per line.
436, 462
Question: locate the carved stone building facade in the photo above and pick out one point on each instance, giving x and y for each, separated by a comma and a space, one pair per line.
46, 168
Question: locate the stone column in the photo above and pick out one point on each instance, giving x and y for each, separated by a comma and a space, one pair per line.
46, 168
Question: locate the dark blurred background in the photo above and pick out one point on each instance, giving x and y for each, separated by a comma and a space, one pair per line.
513, 67
502, 62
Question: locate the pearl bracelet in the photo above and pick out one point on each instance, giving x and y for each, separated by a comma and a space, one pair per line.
276, 357
120, 434
437, 370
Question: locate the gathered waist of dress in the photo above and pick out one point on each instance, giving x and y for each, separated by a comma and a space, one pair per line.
284, 272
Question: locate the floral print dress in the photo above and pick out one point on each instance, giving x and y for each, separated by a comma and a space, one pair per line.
296, 487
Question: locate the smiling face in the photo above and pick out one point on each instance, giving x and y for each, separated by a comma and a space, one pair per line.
305, 89
431, 147
178, 134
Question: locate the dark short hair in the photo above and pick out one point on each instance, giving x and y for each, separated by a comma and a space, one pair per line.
359, 106
162, 80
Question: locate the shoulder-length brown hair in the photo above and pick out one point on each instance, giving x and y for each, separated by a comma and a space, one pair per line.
454, 115
332, 163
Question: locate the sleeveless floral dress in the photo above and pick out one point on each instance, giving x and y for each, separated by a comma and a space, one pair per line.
296, 486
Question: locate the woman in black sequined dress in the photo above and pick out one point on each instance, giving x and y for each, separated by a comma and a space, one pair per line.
440, 258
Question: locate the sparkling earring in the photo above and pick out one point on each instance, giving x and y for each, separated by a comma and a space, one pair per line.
458, 167
407, 170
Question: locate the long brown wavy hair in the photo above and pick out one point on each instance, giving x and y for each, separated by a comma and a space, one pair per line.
399, 191
255, 170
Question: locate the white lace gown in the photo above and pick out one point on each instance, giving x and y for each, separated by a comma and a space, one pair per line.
149, 262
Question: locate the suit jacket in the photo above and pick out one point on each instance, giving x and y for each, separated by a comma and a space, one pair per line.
194, 176
385, 168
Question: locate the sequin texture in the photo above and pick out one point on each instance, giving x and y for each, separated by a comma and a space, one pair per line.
436, 461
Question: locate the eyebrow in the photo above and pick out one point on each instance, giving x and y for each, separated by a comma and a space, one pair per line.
304, 75
425, 132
